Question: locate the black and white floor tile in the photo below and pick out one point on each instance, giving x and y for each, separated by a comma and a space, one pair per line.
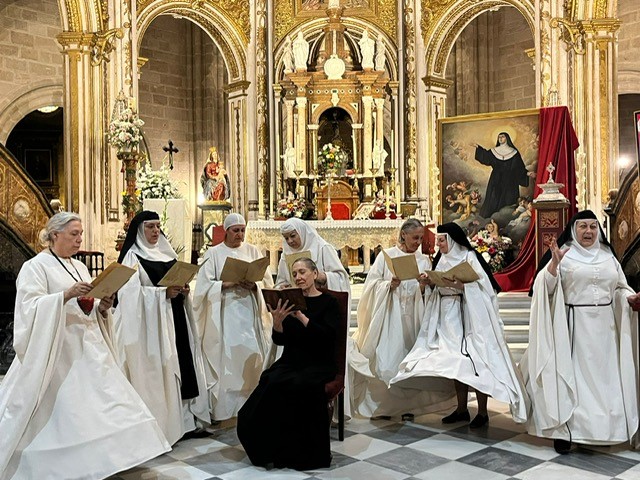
424, 449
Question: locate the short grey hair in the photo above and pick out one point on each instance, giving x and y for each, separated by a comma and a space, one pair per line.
409, 224
310, 264
56, 224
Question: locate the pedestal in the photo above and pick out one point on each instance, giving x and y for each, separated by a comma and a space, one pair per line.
177, 226
213, 214
550, 220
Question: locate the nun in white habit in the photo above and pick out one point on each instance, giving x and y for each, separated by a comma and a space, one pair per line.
234, 321
581, 367
389, 315
298, 236
156, 335
461, 340
66, 409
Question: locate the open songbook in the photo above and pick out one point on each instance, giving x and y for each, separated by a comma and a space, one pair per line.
110, 280
293, 295
236, 270
403, 267
463, 272
291, 259
180, 274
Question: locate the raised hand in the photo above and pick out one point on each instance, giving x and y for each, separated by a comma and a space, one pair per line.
280, 313
556, 257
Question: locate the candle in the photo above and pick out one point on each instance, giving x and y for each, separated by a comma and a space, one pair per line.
393, 151
388, 195
272, 204
260, 200
398, 198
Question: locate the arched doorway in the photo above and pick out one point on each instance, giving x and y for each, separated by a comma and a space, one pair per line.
335, 126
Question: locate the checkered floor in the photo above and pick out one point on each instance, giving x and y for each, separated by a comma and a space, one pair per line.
422, 449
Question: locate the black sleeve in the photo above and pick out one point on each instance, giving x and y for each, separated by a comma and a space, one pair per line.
323, 328
485, 157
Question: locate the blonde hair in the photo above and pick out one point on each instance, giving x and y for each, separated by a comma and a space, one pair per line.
56, 224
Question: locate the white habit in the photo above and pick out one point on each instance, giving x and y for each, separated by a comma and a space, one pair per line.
581, 367
462, 335
147, 351
236, 331
66, 409
388, 324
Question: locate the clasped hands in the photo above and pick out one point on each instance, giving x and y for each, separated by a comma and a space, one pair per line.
79, 289
175, 290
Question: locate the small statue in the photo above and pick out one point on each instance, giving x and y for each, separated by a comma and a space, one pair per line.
300, 52
378, 157
214, 179
367, 46
287, 56
380, 58
289, 158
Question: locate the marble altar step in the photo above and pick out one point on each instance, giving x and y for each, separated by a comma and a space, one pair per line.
514, 311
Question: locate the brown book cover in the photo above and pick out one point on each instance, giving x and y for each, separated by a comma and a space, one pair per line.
236, 270
110, 280
293, 295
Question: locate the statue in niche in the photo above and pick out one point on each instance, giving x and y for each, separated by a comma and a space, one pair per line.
289, 159
380, 58
367, 47
287, 56
300, 52
378, 157
214, 179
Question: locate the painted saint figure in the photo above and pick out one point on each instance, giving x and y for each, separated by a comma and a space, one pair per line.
214, 179
507, 175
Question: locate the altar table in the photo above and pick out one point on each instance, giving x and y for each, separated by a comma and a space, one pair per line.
265, 234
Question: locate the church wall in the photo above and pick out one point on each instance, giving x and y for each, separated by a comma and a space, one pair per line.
165, 95
628, 47
29, 54
489, 65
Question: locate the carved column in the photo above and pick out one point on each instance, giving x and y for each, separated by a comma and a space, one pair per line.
289, 106
367, 145
313, 129
379, 119
301, 151
243, 193
436, 108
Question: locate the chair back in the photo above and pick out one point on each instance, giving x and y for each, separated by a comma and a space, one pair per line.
341, 340
93, 260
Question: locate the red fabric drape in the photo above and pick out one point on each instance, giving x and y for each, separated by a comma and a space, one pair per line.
558, 141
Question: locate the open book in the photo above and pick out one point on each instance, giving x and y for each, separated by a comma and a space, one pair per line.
403, 267
293, 295
291, 259
463, 272
236, 270
110, 280
180, 274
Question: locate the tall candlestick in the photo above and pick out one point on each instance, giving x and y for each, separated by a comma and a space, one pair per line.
393, 151
260, 200
388, 196
398, 198
272, 194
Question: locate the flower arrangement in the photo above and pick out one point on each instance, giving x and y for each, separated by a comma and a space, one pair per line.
293, 207
156, 183
331, 158
495, 249
131, 204
124, 130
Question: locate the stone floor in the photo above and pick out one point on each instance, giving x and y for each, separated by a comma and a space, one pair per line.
422, 449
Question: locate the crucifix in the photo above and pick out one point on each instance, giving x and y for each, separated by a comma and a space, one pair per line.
170, 150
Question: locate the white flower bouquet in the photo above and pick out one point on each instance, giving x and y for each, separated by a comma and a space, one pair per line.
156, 183
331, 158
124, 131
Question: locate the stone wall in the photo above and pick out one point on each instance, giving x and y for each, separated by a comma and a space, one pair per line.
489, 66
30, 57
628, 47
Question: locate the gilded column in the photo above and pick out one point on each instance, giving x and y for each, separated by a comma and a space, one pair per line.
367, 134
243, 174
301, 149
379, 119
410, 120
262, 109
289, 106
601, 113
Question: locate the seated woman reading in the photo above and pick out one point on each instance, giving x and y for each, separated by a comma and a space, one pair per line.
285, 423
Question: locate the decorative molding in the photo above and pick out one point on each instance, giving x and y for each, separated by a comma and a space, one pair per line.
102, 45
572, 33
262, 107
411, 119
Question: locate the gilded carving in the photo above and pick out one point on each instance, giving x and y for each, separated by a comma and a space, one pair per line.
236, 12
573, 34
102, 45
604, 122
549, 219
410, 94
601, 8
262, 93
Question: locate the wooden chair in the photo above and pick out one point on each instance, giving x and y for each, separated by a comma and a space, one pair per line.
93, 260
344, 201
335, 388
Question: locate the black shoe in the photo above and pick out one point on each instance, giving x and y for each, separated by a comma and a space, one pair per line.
479, 421
457, 417
408, 417
381, 417
197, 433
562, 446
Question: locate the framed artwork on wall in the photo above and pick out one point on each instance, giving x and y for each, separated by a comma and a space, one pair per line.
487, 168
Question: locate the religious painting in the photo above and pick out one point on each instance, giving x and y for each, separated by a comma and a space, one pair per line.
488, 165
636, 122
38, 162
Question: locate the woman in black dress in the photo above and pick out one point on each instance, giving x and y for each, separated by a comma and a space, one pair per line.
285, 421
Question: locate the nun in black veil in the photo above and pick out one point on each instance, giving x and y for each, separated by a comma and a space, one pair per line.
581, 367
156, 336
461, 341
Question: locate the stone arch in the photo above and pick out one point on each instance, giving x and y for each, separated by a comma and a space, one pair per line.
25, 103
214, 23
83, 15
441, 29
323, 107
313, 29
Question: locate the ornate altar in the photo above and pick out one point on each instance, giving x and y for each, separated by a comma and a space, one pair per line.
344, 200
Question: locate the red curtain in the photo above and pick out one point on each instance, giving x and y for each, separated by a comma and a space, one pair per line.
558, 141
